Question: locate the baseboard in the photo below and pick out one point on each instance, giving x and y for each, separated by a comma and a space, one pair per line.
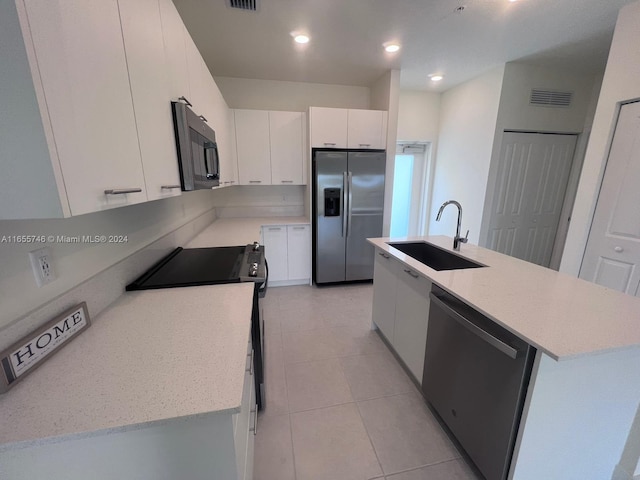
288, 283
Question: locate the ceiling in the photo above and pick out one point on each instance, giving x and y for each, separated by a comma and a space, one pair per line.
347, 38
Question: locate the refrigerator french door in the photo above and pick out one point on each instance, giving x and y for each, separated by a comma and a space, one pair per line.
348, 202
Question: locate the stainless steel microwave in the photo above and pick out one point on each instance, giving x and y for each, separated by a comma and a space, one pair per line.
197, 149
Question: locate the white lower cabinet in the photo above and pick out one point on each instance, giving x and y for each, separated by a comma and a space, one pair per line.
384, 294
401, 310
288, 252
412, 312
245, 423
274, 239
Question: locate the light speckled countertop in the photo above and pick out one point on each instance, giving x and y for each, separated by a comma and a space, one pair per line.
559, 314
238, 231
152, 356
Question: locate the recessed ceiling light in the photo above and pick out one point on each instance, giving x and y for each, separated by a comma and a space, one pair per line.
301, 38
436, 77
392, 47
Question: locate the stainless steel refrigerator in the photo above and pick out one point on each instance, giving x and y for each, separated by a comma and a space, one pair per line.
348, 201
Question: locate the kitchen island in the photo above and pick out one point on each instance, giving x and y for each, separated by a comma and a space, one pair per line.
585, 385
157, 388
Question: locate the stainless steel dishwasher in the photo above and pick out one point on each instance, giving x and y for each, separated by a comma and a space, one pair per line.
476, 375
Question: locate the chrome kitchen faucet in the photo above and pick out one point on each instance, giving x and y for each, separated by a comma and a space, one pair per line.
457, 240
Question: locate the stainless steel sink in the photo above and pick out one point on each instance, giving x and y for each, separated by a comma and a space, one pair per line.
434, 257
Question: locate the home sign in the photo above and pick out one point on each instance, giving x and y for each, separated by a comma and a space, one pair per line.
25, 355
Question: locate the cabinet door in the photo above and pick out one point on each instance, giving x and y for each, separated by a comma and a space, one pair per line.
173, 35
384, 294
365, 129
275, 244
149, 77
82, 64
412, 312
328, 127
299, 252
286, 134
195, 75
252, 143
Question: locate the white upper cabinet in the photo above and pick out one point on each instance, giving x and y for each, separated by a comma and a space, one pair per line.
85, 84
366, 129
253, 147
173, 34
344, 128
270, 147
328, 127
195, 69
148, 73
287, 147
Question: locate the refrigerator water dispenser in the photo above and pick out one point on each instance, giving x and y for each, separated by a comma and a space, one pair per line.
331, 202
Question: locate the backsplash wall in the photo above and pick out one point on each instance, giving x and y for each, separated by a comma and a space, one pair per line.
75, 263
260, 201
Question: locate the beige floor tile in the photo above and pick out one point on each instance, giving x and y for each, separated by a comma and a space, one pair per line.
308, 345
404, 433
451, 470
331, 443
273, 449
356, 341
316, 384
275, 383
298, 320
375, 375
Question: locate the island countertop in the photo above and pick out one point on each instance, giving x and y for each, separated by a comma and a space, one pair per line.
151, 357
561, 315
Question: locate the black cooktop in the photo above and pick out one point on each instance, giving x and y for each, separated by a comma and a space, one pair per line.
191, 267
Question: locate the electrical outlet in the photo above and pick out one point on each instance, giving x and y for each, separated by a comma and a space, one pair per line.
41, 265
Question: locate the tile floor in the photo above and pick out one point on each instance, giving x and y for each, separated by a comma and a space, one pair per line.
339, 406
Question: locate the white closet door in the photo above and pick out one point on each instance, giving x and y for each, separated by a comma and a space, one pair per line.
529, 194
612, 257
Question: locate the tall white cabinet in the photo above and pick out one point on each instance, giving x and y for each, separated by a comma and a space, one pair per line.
86, 119
151, 89
85, 84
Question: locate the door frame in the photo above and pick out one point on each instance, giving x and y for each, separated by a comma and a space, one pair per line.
569, 198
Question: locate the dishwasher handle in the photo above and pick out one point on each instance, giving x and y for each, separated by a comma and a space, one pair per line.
473, 328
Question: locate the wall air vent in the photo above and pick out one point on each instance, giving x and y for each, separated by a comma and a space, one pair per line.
550, 98
247, 5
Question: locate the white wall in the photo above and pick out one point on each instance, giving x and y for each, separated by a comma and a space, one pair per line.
260, 201
620, 83
289, 96
418, 116
74, 263
468, 117
385, 95
515, 113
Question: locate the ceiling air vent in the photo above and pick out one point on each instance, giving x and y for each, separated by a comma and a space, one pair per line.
550, 98
248, 5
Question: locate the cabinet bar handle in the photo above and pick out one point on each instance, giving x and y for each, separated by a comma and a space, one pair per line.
365, 144
412, 274
286, 181
274, 229
232, 182
201, 117
169, 187
122, 191
255, 181
184, 99
329, 144
254, 429
384, 255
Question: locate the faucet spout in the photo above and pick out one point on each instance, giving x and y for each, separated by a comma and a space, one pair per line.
457, 240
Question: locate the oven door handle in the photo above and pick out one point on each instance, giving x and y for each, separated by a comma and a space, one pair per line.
263, 288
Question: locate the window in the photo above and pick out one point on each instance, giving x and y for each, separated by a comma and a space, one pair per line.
410, 178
